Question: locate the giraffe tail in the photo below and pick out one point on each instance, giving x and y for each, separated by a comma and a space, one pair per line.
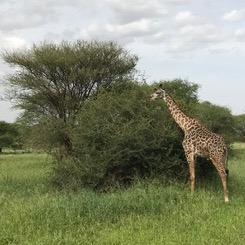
226, 165
227, 171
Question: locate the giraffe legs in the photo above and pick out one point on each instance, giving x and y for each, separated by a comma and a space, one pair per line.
191, 162
218, 159
223, 176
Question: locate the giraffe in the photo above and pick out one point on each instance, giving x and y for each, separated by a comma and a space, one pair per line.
198, 141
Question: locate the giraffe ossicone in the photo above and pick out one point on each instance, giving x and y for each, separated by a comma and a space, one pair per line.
198, 141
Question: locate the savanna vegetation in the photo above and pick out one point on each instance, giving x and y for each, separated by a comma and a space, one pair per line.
239, 127
110, 167
82, 103
9, 136
149, 212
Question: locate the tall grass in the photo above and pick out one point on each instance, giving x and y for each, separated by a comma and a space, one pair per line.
149, 213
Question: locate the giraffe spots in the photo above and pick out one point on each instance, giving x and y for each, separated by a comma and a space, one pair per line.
199, 141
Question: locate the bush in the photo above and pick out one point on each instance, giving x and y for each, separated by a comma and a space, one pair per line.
239, 127
122, 134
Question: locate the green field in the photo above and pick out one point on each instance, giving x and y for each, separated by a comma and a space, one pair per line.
31, 212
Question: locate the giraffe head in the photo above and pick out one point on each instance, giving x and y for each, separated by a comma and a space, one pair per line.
158, 93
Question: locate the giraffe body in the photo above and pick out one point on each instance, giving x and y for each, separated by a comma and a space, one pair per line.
198, 141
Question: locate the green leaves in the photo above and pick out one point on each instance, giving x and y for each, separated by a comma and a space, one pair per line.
9, 135
121, 135
239, 127
53, 81
56, 78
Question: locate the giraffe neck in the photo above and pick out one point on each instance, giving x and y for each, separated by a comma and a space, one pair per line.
184, 122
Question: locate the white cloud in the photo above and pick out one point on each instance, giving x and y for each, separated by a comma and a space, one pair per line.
193, 38
137, 28
12, 42
156, 38
127, 11
240, 35
203, 33
185, 17
143, 29
66, 34
28, 13
25, 14
95, 31
234, 15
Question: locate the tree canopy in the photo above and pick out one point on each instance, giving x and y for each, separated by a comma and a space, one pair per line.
52, 81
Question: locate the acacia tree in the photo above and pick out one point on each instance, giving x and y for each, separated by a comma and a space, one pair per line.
51, 81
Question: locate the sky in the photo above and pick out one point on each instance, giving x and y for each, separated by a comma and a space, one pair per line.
202, 41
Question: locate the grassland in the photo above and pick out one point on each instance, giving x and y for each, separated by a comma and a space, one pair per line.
31, 212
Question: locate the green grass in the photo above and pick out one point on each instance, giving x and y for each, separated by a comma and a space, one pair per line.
31, 212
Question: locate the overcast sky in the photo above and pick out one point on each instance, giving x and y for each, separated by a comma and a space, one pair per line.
199, 40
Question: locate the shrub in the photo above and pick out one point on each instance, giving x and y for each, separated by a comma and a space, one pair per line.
122, 134
239, 127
